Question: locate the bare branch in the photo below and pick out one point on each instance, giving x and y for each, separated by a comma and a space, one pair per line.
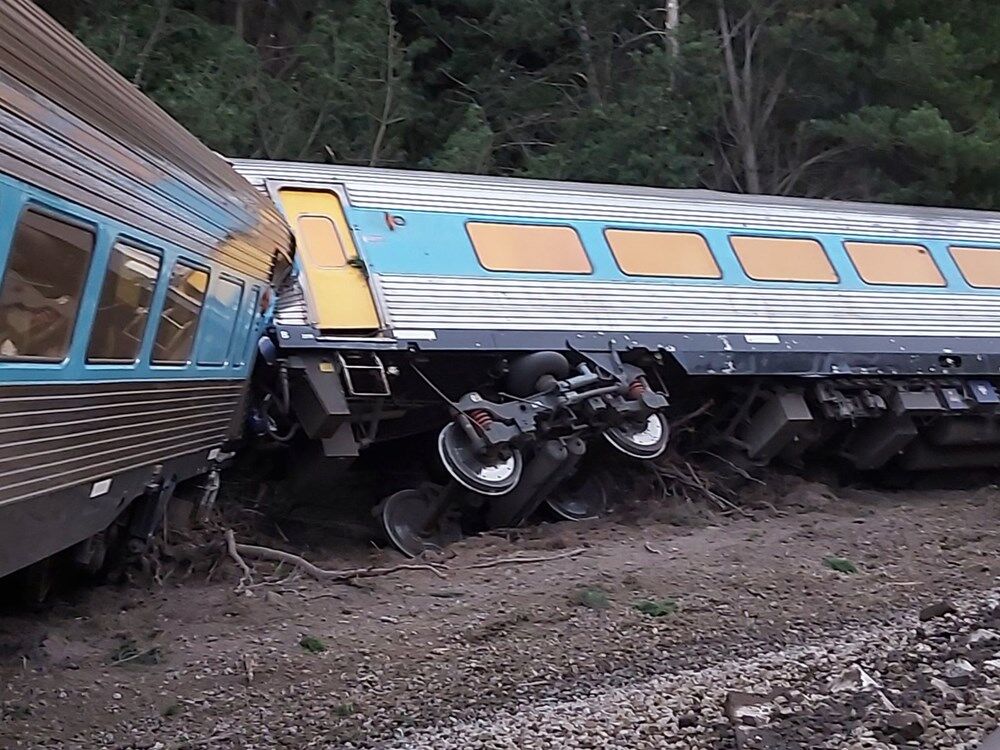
163, 11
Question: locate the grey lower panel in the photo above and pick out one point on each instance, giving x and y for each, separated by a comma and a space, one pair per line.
712, 354
56, 436
33, 529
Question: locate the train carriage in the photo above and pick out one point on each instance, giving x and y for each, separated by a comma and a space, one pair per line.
136, 272
866, 333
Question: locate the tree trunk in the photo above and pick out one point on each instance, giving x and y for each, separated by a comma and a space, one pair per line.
587, 51
154, 37
239, 19
391, 79
672, 27
740, 81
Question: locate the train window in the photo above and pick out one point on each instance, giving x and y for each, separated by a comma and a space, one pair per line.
783, 259
123, 309
240, 358
222, 309
181, 311
883, 263
42, 286
321, 241
528, 247
979, 265
644, 253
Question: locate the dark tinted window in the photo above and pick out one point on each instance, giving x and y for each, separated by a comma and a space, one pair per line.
247, 329
124, 306
220, 320
41, 288
181, 310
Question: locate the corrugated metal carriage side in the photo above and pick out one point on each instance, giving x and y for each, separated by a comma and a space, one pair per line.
136, 266
858, 333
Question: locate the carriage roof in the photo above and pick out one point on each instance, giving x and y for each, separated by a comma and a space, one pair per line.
478, 195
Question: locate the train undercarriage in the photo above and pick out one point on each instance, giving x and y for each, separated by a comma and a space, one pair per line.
513, 432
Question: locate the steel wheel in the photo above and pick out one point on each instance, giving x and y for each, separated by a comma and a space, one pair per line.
404, 517
484, 477
581, 498
646, 440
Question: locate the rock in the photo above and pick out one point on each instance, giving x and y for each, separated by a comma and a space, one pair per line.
947, 691
937, 610
688, 720
748, 738
992, 742
745, 708
853, 679
960, 722
958, 672
982, 637
992, 665
905, 726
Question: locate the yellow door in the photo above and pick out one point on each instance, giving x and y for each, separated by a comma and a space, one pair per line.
337, 284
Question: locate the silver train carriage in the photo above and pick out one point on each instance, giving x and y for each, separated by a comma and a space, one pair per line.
529, 317
137, 267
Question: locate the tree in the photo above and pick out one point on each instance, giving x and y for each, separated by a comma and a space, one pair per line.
869, 99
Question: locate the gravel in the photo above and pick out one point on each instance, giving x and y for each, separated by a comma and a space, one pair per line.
767, 646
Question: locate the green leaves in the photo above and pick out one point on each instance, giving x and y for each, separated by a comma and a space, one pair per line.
892, 100
656, 607
840, 565
312, 644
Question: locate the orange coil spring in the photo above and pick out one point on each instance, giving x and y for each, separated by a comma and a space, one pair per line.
636, 388
481, 417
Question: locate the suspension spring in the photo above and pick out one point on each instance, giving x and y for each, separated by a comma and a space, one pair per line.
636, 388
482, 418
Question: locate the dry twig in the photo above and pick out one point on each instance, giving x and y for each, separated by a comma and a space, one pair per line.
525, 560
232, 548
274, 555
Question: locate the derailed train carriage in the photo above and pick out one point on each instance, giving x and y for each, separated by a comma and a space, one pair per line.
525, 318
136, 273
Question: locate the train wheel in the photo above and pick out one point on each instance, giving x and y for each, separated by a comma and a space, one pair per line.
406, 517
646, 440
496, 476
582, 497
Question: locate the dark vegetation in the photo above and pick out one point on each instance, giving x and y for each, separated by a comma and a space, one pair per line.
890, 100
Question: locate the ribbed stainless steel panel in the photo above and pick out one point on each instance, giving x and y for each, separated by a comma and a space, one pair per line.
401, 190
61, 435
291, 309
448, 302
72, 126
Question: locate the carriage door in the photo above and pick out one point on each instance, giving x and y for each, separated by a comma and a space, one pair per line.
338, 288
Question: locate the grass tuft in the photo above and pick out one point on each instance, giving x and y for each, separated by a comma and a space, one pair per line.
840, 565
657, 607
312, 644
592, 598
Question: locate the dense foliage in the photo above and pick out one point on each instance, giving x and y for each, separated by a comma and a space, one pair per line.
866, 99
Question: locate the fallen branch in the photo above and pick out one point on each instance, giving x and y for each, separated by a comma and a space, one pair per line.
738, 469
274, 555
136, 655
233, 549
526, 560
688, 418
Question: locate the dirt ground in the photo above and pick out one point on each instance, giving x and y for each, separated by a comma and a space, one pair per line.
797, 627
